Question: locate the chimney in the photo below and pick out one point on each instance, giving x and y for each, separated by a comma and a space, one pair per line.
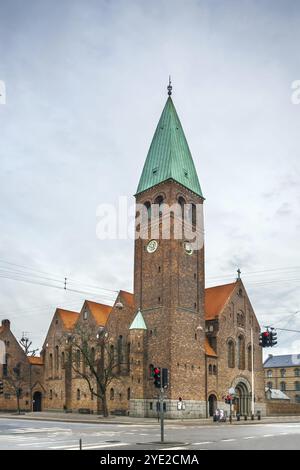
6, 324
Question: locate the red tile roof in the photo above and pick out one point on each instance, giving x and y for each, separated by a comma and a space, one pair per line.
68, 317
35, 360
216, 298
100, 312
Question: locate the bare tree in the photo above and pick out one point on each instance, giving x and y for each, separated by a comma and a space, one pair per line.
16, 382
92, 357
26, 344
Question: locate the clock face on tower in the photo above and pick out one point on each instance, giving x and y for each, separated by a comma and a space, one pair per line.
152, 246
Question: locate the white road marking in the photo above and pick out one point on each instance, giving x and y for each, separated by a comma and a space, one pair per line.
101, 445
268, 435
250, 437
201, 443
283, 433
174, 448
227, 440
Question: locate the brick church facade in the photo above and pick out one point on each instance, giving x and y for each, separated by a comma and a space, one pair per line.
202, 336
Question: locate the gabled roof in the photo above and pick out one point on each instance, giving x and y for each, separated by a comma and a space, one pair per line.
128, 297
169, 156
35, 360
216, 298
138, 322
68, 317
100, 312
208, 349
287, 360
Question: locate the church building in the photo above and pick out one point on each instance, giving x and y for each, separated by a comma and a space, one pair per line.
203, 336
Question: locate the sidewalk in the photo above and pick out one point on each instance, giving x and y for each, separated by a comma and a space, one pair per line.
127, 420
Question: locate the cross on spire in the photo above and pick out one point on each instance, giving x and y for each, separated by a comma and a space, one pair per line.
239, 273
169, 87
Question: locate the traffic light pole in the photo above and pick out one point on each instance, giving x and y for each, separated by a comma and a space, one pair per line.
161, 413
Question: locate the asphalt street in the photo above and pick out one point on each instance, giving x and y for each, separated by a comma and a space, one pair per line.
30, 434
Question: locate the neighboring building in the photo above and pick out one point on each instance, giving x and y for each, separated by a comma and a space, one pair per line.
19, 372
202, 336
283, 373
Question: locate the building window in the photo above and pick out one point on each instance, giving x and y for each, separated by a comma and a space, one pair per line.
151, 405
50, 394
56, 357
215, 370
230, 354
112, 394
249, 358
282, 372
85, 315
63, 365
297, 372
181, 202
78, 394
148, 209
210, 369
241, 319
241, 352
270, 384
5, 366
128, 393
297, 398
51, 364
159, 200
270, 373
120, 352
283, 386
297, 386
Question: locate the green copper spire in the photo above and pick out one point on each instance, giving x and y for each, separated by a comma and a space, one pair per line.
169, 156
138, 322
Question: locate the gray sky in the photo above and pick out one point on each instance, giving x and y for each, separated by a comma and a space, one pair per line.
85, 86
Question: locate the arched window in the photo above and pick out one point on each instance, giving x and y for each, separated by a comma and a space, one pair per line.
78, 394
240, 319
92, 356
282, 372
297, 372
297, 386
241, 352
120, 352
50, 394
128, 357
270, 384
249, 354
112, 394
148, 208
210, 369
230, 354
193, 214
78, 359
181, 202
63, 365
159, 200
5, 366
51, 364
56, 358
214, 370
283, 386
270, 373
128, 393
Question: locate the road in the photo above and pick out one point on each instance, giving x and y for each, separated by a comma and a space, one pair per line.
31, 434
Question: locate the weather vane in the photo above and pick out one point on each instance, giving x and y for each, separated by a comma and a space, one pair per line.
169, 87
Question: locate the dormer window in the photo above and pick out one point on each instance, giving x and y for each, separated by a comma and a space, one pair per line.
155, 170
186, 174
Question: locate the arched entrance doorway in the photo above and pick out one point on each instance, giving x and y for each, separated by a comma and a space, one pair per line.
242, 399
212, 404
37, 401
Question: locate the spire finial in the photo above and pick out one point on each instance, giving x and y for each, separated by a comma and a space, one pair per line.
239, 273
169, 87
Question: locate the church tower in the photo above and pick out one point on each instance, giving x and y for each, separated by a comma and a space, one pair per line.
169, 270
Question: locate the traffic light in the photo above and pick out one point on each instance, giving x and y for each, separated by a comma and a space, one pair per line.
157, 377
165, 378
1, 388
273, 338
264, 339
